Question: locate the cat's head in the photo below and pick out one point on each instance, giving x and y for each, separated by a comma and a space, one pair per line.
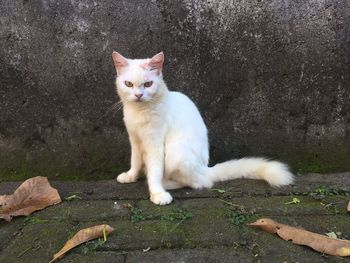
138, 80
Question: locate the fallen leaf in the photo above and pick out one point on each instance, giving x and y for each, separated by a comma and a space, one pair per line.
221, 191
332, 235
127, 205
72, 197
320, 243
295, 200
82, 236
33, 194
349, 206
146, 249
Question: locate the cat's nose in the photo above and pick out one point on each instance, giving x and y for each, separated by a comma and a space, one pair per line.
139, 95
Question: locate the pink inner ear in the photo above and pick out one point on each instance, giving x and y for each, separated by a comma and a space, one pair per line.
119, 61
145, 65
156, 62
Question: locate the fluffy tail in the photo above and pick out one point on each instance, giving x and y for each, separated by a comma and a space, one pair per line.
275, 173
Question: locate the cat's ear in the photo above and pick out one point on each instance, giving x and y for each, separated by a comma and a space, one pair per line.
156, 62
119, 61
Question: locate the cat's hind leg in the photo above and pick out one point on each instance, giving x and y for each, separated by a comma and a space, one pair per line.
171, 185
184, 167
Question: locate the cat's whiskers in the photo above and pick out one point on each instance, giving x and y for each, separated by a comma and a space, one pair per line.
120, 106
115, 107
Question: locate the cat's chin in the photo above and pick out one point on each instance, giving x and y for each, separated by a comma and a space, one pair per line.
138, 100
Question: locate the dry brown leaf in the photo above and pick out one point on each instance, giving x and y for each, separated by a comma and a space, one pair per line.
320, 243
82, 236
349, 206
33, 194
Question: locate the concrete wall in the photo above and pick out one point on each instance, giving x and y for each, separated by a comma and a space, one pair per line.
271, 78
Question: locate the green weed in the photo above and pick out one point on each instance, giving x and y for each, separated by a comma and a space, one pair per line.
35, 220
136, 215
294, 201
176, 214
322, 192
237, 218
92, 246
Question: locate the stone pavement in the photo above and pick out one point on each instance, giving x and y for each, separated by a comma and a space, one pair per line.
199, 226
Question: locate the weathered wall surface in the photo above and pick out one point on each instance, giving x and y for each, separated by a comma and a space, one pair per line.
270, 78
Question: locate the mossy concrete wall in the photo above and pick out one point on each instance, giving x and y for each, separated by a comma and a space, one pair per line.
271, 78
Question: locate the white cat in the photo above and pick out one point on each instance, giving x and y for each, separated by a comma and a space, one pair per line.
169, 138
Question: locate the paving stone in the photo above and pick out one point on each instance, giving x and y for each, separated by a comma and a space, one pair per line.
94, 257
81, 211
222, 255
196, 227
38, 243
9, 230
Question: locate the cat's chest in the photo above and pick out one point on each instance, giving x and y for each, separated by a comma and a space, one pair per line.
137, 124
143, 123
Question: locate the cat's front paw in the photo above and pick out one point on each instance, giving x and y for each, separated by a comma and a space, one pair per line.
162, 198
125, 178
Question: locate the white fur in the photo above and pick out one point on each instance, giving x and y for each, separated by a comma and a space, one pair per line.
169, 139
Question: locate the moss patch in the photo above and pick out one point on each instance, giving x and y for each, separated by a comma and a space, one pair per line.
22, 170
317, 160
96, 163
87, 160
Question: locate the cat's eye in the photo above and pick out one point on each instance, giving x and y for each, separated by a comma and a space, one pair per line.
128, 84
148, 84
